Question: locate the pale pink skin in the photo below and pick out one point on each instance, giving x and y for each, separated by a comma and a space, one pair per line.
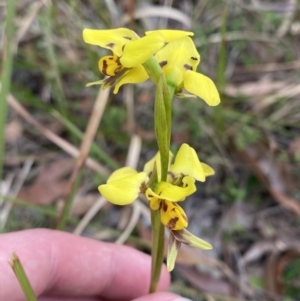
62, 266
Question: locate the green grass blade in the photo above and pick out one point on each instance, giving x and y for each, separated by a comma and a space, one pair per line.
18, 269
6, 75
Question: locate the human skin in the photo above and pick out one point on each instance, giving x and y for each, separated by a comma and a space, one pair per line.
62, 266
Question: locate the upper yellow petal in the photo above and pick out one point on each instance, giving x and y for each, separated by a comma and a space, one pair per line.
170, 35
113, 39
123, 190
188, 163
139, 51
134, 76
201, 86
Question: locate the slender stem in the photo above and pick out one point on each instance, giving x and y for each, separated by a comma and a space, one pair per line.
18, 269
163, 127
157, 249
6, 74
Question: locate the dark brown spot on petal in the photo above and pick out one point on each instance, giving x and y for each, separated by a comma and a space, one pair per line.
104, 67
123, 47
128, 38
163, 63
117, 70
110, 45
188, 67
118, 61
164, 206
110, 58
172, 223
194, 58
160, 204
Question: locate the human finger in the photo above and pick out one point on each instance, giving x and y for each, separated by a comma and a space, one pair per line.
161, 296
59, 263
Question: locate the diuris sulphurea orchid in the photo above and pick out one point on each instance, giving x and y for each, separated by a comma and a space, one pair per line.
126, 184
129, 53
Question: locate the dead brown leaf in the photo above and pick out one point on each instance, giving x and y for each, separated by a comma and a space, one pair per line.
270, 175
49, 184
204, 281
294, 147
13, 131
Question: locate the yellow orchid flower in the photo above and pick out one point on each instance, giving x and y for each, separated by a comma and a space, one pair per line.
179, 60
126, 184
129, 53
123, 186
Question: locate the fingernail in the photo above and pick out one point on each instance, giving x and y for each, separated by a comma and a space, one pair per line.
182, 299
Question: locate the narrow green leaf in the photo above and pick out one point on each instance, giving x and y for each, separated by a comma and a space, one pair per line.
161, 127
18, 269
7, 62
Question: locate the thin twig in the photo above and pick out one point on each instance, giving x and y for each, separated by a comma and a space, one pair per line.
63, 144
86, 144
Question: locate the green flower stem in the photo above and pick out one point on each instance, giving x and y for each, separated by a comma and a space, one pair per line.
157, 249
162, 112
18, 269
163, 128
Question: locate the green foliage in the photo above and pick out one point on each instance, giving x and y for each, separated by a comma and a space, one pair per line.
291, 279
246, 136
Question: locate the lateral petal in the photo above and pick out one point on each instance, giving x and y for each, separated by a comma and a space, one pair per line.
123, 190
113, 39
202, 86
122, 173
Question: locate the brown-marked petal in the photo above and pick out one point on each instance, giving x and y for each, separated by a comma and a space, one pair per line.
113, 39
186, 237
173, 216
